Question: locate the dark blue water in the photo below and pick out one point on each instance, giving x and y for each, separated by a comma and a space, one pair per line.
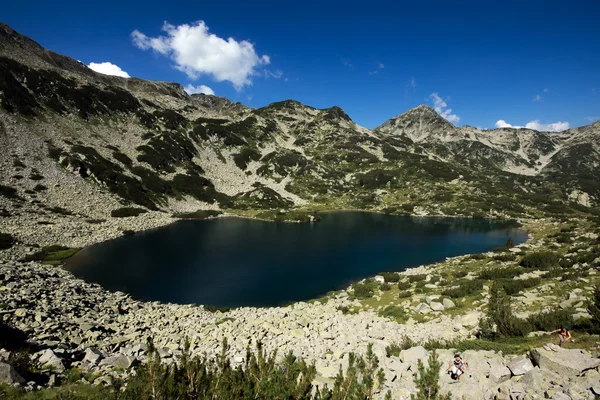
240, 262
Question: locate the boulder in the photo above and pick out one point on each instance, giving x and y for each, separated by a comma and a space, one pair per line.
118, 362
435, 306
51, 361
560, 396
92, 355
520, 365
448, 303
412, 355
499, 373
423, 308
9, 375
533, 380
566, 362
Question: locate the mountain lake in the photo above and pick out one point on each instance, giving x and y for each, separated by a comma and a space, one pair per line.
231, 262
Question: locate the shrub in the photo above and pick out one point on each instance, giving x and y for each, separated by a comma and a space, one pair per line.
52, 255
477, 257
393, 312
39, 188
404, 295
402, 285
499, 321
6, 241
127, 212
385, 287
128, 232
540, 260
460, 274
8, 192
395, 348
390, 276
500, 273
211, 308
593, 309
36, 177
514, 286
505, 257
464, 289
550, 320
416, 278
362, 290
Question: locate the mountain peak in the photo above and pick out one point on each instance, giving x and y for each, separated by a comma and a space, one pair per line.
418, 124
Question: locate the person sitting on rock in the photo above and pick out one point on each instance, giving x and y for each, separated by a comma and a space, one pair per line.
564, 335
456, 367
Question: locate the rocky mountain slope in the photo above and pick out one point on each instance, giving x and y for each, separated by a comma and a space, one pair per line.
150, 144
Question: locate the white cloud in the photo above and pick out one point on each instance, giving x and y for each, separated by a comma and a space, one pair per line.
537, 98
546, 90
592, 119
558, 126
197, 52
191, 89
273, 74
107, 68
412, 83
381, 66
441, 108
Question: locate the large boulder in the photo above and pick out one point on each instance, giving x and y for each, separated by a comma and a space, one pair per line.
123, 362
413, 355
9, 375
499, 373
448, 303
567, 362
51, 361
520, 365
92, 356
435, 306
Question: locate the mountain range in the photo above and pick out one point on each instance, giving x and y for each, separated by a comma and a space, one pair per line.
73, 139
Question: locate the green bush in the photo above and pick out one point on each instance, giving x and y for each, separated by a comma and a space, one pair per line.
395, 348
540, 260
427, 379
465, 288
393, 312
550, 320
362, 290
594, 310
416, 278
390, 276
461, 274
514, 286
385, 287
127, 212
500, 273
6, 241
477, 257
402, 285
404, 294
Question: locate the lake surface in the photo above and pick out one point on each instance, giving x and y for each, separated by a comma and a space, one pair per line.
241, 262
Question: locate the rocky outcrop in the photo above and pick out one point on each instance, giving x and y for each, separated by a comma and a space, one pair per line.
9, 375
569, 362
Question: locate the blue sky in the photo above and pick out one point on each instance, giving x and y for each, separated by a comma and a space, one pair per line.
517, 62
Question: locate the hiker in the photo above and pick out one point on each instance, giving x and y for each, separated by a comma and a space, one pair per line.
564, 335
456, 367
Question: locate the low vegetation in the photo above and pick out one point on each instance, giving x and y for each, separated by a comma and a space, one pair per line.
6, 241
200, 214
52, 255
127, 212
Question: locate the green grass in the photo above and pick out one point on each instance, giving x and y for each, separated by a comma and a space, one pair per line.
52, 255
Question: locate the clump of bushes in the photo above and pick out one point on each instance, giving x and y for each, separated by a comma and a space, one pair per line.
385, 287
404, 295
403, 285
465, 288
362, 290
416, 278
6, 241
127, 212
8, 192
514, 286
395, 348
393, 312
500, 273
390, 276
540, 260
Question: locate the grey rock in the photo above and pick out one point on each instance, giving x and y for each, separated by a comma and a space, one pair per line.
568, 362
118, 362
51, 361
92, 355
448, 303
435, 306
499, 373
9, 375
561, 396
520, 365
